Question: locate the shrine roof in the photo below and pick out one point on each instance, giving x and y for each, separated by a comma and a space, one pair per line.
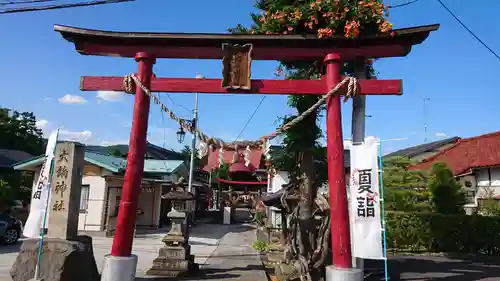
265, 47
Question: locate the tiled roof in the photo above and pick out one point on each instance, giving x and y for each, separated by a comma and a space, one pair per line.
113, 163
9, 157
153, 151
415, 150
466, 154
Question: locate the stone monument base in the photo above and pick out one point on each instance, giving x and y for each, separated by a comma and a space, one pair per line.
61, 260
174, 262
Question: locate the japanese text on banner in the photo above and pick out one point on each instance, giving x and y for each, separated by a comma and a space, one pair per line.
365, 202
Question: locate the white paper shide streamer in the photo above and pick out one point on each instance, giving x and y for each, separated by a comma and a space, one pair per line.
365, 201
41, 192
202, 150
221, 156
247, 154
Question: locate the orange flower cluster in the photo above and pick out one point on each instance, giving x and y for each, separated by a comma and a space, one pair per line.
327, 18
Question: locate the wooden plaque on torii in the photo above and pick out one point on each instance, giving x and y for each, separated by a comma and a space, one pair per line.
236, 66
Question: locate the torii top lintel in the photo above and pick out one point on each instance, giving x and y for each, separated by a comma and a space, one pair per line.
265, 47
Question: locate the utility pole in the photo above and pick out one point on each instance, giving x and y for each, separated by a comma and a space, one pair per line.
358, 127
426, 99
194, 123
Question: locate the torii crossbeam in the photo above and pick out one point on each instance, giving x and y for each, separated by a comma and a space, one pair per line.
147, 47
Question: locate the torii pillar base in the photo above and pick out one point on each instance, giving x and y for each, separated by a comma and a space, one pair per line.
119, 268
343, 274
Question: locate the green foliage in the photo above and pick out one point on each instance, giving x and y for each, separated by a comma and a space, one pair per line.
447, 196
397, 173
116, 152
7, 194
489, 207
260, 218
404, 190
18, 131
406, 200
186, 152
260, 246
222, 172
432, 232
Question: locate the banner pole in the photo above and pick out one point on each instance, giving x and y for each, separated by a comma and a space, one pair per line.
382, 205
42, 231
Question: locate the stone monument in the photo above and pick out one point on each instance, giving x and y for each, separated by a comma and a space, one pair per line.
65, 256
175, 259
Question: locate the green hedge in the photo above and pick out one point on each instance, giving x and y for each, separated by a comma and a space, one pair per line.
443, 233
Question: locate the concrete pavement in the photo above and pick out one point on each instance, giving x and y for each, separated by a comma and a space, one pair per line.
222, 251
234, 258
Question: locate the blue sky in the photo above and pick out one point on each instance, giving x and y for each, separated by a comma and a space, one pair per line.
39, 69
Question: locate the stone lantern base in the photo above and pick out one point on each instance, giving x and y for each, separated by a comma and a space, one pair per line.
175, 259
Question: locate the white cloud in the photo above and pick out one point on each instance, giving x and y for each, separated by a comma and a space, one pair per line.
114, 142
42, 124
440, 135
72, 99
109, 96
82, 136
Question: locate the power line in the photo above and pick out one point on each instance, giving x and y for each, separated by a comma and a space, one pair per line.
251, 117
402, 5
61, 6
24, 2
177, 104
468, 29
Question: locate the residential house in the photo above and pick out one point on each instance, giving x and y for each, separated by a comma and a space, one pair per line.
426, 150
9, 157
475, 162
101, 189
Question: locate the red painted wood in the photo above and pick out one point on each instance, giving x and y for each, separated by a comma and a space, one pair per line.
125, 222
339, 212
261, 53
278, 87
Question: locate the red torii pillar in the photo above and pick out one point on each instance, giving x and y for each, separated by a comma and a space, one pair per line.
92, 42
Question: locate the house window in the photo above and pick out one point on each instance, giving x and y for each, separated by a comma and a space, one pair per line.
470, 196
84, 198
483, 177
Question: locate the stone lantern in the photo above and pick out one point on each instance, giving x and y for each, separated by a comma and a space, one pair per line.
175, 259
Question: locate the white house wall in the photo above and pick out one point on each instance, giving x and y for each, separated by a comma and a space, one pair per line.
92, 218
488, 182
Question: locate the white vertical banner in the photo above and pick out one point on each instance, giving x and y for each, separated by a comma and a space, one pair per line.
365, 201
39, 196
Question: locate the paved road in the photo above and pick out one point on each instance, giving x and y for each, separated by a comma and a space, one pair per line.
204, 241
435, 268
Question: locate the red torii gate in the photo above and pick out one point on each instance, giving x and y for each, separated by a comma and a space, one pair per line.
147, 47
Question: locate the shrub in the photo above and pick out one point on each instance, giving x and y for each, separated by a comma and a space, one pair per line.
447, 196
443, 233
260, 246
